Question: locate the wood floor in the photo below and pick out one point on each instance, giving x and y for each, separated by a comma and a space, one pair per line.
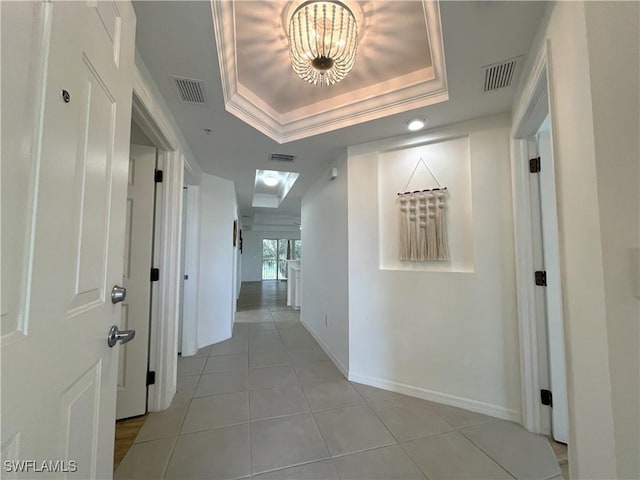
560, 450
126, 432
265, 294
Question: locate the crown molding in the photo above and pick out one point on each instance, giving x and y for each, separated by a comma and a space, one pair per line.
407, 92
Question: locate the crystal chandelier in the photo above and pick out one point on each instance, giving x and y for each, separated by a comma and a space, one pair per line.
323, 39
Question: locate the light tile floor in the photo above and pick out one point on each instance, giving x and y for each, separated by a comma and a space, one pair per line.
269, 404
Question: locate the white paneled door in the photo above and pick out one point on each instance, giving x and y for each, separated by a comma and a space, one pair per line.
132, 375
553, 291
67, 71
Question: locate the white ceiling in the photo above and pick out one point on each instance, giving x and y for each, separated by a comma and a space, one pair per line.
399, 67
177, 39
398, 31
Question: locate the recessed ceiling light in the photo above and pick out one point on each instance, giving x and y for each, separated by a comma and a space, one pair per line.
416, 123
270, 180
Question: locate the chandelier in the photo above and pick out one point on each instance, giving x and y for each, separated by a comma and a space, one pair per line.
323, 39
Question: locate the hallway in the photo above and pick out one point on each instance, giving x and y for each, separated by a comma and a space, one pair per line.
264, 294
269, 403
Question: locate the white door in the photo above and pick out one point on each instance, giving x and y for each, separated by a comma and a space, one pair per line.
67, 70
132, 375
183, 273
553, 290
189, 341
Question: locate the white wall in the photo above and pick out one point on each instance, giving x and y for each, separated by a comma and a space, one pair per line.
138, 137
238, 283
325, 267
615, 90
216, 294
447, 336
593, 86
236, 258
252, 251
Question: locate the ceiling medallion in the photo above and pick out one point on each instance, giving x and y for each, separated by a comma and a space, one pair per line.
323, 40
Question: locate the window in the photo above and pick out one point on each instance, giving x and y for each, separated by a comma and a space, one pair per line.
275, 253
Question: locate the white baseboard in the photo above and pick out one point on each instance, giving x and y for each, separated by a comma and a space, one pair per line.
438, 397
164, 402
215, 340
327, 350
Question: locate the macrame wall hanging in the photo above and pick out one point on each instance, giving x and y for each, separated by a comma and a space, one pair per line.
423, 227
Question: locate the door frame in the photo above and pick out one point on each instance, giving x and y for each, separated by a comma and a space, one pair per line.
528, 116
152, 115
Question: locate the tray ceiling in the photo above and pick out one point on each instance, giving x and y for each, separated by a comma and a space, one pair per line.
399, 67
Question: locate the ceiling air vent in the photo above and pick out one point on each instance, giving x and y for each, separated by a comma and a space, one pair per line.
190, 90
281, 157
500, 75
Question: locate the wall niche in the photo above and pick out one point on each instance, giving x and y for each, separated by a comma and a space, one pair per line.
449, 162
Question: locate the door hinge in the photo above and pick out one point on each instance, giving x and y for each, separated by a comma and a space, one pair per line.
151, 378
186, 277
546, 397
155, 274
541, 278
534, 165
159, 176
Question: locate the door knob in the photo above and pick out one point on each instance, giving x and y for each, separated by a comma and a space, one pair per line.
124, 336
118, 294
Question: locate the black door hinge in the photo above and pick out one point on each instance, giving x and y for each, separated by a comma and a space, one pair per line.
159, 176
151, 378
541, 278
155, 274
534, 165
546, 397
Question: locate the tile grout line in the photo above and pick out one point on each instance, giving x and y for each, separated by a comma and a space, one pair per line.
483, 451
301, 464
249, 394
169, 457
391, 433
177, 437
401, 444
299, 385
315, 421
461, 431
312, 413
457, 430
365, 404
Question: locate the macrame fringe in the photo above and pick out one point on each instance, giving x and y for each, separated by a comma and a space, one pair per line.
422, 241
413, 230
423, 235
404, 230
422, 228
441, 229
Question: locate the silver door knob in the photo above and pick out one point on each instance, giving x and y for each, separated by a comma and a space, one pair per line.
124, 336
118, 294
